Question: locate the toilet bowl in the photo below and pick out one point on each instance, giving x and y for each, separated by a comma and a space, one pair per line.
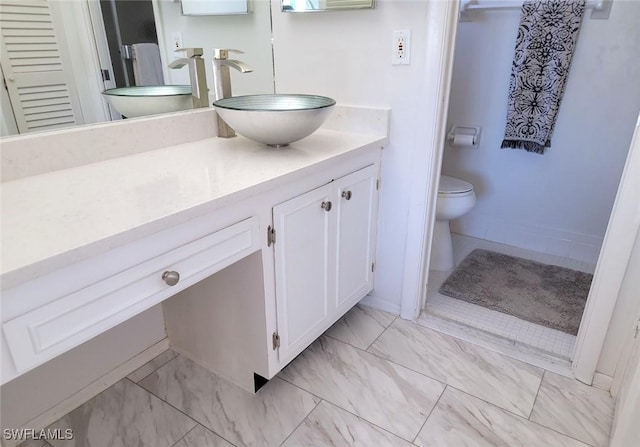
455, 198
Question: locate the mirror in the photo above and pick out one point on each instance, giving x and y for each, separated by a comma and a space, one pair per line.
56, 65
324, 5
200, 7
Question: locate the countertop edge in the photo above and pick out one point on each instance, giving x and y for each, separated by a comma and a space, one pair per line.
13, 278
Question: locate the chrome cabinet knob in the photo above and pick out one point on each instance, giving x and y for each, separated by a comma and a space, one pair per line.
346, 195
171, 278
326, 206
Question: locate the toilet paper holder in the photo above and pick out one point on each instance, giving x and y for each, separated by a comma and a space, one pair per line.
459, 136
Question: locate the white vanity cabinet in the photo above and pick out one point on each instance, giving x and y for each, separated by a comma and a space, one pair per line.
249, 321
127, 239
324, 247
233, 299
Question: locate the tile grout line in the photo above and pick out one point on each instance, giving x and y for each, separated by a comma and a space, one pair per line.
299, 387
47, 444
337, 339
166, 402
381, 333
446, 384
522, 417
405, 367
176, 355
438, 380
301, 422
360, 418
348, 411
178, 409
183, 436
387, 360
537, 393
490, 403
325, 334
423, 374
429, 415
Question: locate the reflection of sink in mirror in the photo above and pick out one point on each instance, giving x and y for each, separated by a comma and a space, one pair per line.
146, 100
314, 6
140, 21
275, 120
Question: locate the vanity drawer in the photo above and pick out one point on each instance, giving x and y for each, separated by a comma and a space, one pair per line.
49, 330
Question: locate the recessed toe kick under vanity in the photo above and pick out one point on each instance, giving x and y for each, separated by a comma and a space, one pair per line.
252, 252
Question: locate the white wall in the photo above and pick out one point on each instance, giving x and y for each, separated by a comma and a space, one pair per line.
250, 33
558, 202
347, 55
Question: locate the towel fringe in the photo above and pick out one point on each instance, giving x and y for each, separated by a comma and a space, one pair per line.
529, 146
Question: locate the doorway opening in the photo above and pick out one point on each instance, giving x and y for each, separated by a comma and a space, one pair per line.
559, 220
127, 23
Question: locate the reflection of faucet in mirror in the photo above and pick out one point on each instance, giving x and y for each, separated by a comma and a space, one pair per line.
222, 82
137, 22
197, 74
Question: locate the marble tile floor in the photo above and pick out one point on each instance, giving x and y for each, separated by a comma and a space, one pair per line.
371, 380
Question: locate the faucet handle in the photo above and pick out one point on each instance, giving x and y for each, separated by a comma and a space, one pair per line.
223, 53
191, 52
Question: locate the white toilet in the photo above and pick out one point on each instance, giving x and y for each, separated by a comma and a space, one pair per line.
455, 198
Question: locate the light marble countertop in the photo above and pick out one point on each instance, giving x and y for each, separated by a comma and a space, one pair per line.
54, 219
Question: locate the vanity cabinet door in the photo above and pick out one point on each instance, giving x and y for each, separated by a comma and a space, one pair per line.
303, 254
356, 209
324, 248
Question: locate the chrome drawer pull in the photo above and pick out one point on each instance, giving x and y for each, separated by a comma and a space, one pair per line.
326, 206
346, 195
171, 277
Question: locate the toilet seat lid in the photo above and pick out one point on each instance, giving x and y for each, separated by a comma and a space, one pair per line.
452, 185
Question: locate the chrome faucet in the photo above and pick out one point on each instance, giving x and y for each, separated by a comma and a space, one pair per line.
197, 74
222, 82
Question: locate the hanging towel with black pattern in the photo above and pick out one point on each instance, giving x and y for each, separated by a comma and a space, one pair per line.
547, 37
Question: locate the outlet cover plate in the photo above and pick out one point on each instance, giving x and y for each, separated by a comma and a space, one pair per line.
401, 47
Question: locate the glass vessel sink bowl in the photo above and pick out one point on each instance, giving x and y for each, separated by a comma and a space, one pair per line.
275, 120
149, 99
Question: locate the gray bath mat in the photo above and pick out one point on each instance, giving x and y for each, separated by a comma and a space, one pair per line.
543, 294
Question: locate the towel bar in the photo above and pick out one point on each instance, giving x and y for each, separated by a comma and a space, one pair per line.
600, 8
126, 51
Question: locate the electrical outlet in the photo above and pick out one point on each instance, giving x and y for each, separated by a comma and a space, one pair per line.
401, 50
177, 40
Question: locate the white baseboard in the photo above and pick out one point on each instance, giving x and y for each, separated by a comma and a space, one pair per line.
72, 402
602, 381
578, 246
381, 304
